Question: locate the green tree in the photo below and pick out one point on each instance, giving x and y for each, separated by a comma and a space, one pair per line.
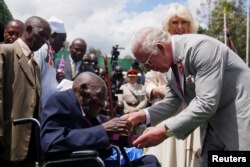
236, 23
5, 17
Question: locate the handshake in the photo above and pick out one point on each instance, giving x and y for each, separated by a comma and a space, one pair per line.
122, 131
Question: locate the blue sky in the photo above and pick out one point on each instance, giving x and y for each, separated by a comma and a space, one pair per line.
101, 23
147, 5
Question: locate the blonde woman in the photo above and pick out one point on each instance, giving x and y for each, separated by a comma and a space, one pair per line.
173, 152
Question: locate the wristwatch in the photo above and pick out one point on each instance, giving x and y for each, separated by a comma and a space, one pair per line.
168, 133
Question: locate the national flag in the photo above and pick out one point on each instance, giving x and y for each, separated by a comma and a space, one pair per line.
230, 43
227, 36
61, 65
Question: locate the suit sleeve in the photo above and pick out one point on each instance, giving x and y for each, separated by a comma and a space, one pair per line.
165, 108
62, 131
207, 60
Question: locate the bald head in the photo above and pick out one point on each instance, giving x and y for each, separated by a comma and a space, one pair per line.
95, 84
36, 32
79, 41
91, 92
13, 30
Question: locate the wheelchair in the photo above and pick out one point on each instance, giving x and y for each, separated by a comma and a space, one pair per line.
84, 158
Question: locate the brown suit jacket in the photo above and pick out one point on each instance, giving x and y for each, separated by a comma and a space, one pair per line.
20, 93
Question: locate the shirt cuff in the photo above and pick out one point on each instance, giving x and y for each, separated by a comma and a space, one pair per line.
147, 116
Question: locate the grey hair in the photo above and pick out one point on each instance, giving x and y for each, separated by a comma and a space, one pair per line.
183, 12
146, 39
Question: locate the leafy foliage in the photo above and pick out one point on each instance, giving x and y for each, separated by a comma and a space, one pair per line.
5, 17
236, 23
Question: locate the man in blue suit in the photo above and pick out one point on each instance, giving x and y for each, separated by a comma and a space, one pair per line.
206, 75
70, 120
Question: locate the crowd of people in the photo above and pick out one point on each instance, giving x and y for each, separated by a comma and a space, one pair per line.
189, 90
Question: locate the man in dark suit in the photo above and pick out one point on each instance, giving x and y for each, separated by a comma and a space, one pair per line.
20, 93
74, 64
205, 74
71, 121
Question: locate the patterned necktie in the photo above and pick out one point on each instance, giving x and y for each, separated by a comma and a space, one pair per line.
74, 69
176, 74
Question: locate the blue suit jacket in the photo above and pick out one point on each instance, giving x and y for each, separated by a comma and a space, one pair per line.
65, 129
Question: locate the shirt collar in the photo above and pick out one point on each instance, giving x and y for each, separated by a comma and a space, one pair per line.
25, 48
173, 50
76, 63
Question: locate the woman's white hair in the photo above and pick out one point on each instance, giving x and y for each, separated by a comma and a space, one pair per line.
183, 12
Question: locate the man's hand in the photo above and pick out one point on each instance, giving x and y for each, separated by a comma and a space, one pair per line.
158, 92
117, 125
135, 117
152, 136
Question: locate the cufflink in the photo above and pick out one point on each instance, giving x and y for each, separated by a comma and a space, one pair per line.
168, 134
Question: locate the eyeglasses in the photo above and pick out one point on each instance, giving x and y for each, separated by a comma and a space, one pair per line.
146, 66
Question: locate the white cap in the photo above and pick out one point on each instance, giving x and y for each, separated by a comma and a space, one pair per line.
56, 25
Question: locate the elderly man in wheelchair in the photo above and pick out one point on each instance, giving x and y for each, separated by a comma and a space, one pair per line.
71, 122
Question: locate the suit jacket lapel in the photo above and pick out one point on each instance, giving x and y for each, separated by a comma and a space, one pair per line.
37, 78
23, 61
68, 67
180, 54
173, 83
181, 76
27, 69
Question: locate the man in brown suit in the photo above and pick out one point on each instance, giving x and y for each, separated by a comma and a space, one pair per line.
20, 93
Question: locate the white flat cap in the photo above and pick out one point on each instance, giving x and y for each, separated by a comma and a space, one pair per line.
56, 25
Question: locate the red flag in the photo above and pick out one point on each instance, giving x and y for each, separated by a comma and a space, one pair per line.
51, 62
230, 43
61, 66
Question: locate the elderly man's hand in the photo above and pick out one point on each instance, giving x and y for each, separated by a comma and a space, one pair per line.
117, 125
135, 117
152, 136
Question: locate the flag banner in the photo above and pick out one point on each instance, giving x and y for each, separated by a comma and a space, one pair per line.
230, 43
61, 65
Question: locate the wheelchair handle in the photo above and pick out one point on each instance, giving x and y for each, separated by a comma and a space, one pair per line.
20, 121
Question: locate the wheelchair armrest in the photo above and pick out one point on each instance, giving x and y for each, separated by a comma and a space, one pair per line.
75, 154
76, 158
82, 153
